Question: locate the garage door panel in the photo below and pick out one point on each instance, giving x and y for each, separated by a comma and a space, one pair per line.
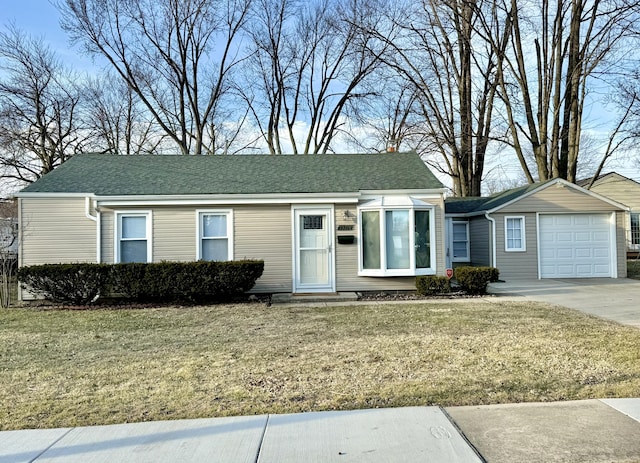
575, 245
583, 236
583, 252
564, 253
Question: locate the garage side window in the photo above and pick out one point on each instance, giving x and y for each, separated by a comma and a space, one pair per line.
133, 237
514, 238
215, 235
635, 229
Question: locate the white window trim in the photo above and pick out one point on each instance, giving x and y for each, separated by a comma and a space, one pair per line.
523, 234
412, 270
117, 231
461, 259
230, 241
631, 244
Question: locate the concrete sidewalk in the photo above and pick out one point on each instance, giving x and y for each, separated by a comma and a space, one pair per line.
579, 431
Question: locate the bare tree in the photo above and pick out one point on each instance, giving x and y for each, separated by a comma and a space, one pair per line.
175, 55
118, 121
454, 76
555, 49
39, 106
308, 64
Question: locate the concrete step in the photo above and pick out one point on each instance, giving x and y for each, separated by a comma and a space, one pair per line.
289, 298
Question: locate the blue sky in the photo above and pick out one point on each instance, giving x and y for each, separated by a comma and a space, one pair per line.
37, 17
40, 18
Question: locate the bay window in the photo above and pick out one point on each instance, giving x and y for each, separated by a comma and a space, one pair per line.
396, 240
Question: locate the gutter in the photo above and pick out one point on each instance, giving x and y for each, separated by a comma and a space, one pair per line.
493, 239
96, 219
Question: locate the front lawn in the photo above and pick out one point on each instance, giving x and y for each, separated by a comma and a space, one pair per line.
68, 368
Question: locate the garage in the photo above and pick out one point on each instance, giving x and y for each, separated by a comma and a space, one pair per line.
575, 245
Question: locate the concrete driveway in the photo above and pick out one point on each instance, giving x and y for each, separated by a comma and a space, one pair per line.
616, 299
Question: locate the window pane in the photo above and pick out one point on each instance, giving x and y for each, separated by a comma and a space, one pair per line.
217, 249
397, 239
134, 227
635, 228
214, 226
514, 233
460, 240
459, 231
133, 251
371, 240
422, 245
460, 249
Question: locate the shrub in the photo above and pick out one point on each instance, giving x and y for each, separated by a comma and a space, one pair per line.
428, 285
185, 281
165, 281
474, 280
65, 283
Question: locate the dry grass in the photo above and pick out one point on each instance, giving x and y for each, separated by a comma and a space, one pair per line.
69, 368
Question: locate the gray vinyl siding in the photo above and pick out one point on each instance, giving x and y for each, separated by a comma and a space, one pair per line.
518, 264
55, 230
480, 241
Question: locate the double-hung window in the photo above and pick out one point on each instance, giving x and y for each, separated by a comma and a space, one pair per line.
215, 235
514, 234
133, 237
396, 240
460, 240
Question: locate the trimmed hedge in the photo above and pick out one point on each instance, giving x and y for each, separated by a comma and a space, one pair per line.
200, 281
185, 281
474, 280
428, 285
65, 283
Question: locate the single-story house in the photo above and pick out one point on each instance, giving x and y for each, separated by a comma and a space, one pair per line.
553, 229
626, 191
321, 223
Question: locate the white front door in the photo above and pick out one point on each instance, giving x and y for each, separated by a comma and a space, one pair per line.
313, 250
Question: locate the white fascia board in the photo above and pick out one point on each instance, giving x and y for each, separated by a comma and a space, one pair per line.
53, 195
213, 200
372, 194
564, 183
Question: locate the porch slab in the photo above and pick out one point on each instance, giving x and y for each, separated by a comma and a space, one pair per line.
305, 298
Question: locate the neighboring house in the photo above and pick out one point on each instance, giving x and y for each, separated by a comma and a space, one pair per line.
626, 191
8, 230
553, 229
321, 223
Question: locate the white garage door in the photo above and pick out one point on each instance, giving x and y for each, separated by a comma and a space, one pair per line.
575, 246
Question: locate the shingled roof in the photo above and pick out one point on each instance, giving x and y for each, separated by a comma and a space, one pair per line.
480, 204
119, 175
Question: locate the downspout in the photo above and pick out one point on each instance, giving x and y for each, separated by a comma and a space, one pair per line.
493, 239
96, 219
